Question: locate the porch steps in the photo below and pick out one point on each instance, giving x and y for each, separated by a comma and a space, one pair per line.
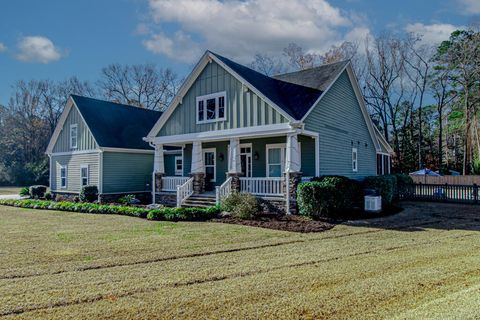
199, 201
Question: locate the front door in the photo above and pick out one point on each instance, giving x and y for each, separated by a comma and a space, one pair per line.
246, 159
210, 169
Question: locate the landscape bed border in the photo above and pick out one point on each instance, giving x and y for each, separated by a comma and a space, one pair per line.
160, 214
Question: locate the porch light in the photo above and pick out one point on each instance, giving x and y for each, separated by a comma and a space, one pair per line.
256, 156
221, 156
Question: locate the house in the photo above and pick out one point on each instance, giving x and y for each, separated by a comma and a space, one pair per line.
241, 130
100, 143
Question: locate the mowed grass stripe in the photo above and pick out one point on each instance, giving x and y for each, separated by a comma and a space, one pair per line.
299, 286
228, 276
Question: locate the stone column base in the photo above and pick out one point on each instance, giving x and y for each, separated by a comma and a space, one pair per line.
235, 181
198, 182
294, 181
158, 181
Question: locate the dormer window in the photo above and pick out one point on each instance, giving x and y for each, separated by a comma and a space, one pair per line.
211, 107
73, 136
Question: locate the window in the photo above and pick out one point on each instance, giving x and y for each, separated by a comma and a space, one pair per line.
63, 176
354, 160
211, 108
383, 163
73, 136
275, 160
178, 166
84, 174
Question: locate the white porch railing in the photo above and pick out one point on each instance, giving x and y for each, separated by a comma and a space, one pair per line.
184, 191
171, 183
263, 186
224, 190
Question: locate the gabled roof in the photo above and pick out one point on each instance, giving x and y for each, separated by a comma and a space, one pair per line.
113, 125
292, 98
116, 125
318, 78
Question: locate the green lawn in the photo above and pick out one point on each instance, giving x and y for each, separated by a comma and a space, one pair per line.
419, 264
9, 190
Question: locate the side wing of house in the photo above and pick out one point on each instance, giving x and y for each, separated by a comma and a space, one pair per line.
75, 154
243, 108
346, 146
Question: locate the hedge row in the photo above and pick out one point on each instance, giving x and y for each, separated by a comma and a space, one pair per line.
167, 214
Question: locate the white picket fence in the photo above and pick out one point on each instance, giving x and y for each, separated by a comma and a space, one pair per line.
263, 186
171, 183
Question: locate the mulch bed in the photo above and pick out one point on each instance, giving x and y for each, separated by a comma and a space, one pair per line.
296, 223
282, 222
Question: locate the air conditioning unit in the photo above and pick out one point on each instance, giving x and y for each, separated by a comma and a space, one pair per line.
373, 203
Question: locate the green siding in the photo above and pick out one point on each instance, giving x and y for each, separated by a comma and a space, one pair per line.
127, 172
339, 121
73, 163
85, 137
169, 160
243, 109
307, 146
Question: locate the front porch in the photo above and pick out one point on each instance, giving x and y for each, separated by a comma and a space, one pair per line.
269, 167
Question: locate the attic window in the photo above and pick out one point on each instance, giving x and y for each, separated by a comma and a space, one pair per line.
211, 108
73, 136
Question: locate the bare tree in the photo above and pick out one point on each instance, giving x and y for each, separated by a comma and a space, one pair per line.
345, 51
298, 59
266, 64
142, 85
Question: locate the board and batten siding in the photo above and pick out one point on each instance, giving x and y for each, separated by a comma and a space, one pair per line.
85, 139
340, 123
73, 163
127, 172
242, 108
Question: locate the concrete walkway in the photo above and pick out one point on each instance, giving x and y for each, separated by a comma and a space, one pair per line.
10, 196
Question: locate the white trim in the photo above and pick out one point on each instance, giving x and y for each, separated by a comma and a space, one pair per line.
219, 135
84, 166
66, 176
355, 160
50, 169
214, 150
317, 155
126, 150
206, 97
201, 64
69, 153
282, 147
71, 136
178, 173
65, 191
383, 141
179, 151
100, 173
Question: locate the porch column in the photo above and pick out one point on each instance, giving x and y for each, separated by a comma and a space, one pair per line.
234, 163
158, 167
198, 168
293, 176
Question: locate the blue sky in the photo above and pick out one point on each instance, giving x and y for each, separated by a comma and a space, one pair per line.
55, 39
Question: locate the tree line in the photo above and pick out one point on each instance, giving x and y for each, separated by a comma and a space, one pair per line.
424, 99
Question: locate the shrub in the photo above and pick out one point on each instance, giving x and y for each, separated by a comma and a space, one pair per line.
37, 192
328, 196
89, 194
127, 199
241, 205
25, 191
170, 214
385, 185
48, 196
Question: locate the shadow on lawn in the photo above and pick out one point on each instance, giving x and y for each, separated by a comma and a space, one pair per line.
419, 216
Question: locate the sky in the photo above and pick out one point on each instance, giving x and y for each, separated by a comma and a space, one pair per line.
56, 39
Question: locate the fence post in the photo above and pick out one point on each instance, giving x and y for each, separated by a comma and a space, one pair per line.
475, 193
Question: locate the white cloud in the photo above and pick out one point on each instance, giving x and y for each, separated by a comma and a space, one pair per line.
37, 49
470, 7
239, 29
3, 47
432, 33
